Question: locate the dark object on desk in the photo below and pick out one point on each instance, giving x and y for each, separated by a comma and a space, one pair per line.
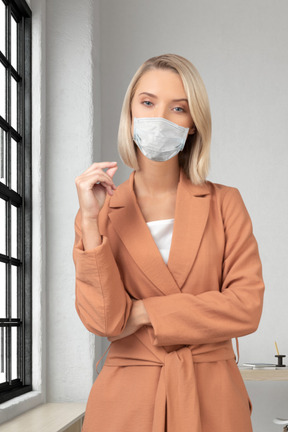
280, 360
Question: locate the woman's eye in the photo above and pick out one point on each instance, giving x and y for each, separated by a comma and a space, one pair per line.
147, 103
179, 109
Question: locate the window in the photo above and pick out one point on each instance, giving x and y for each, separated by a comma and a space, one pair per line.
15, 199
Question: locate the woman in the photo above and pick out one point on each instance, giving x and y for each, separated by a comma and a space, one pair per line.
167, 267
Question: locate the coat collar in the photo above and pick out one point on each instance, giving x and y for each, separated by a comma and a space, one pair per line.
191, 213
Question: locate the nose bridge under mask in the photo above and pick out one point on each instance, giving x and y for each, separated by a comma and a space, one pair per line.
157, 138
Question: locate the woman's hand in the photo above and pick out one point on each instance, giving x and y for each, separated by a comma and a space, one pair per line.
138, 317
92, 187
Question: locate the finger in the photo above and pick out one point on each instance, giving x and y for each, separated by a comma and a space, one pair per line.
92, 178
107, 184
103, 176
106, 177
109, 189
101, 165
111, 172
98, 175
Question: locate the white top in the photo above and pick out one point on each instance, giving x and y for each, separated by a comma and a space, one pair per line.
161, 231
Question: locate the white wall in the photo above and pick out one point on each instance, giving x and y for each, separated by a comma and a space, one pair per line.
72, 111
240, 50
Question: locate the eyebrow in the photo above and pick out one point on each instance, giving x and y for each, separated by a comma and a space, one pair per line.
154, 96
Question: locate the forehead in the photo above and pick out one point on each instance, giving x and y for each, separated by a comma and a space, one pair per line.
161, 81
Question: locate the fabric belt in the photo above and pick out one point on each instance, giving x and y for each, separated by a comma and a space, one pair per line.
176, 404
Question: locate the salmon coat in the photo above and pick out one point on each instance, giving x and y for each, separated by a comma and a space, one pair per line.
179, 374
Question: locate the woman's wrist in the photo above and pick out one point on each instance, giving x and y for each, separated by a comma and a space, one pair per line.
90, 233
141, 313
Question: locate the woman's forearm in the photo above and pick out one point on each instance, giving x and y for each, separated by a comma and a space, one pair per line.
141, 313
90, 234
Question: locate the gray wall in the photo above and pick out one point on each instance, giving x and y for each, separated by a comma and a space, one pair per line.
240, 50
241, 55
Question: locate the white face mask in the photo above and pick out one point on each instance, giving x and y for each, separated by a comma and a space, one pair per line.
159, 139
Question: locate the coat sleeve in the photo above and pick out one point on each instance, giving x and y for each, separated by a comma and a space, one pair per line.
217, 315
102, 302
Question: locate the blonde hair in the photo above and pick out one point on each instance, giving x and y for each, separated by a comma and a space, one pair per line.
195, 157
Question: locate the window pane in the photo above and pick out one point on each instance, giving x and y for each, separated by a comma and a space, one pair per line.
2, 90
2, 156
14, 353
2, 355
13, 231
2, 229
2, 290
2, 315
14, 103
2, 27
14, 42
14, 299
14, 146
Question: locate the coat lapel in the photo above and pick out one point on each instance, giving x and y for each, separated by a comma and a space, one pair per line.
191, 214
127, 220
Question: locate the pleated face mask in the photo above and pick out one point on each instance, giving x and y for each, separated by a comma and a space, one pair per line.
159, 139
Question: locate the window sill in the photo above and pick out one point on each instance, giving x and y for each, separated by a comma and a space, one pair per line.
50, 417
19, 405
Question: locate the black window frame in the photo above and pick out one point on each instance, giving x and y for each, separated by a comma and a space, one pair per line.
22, 199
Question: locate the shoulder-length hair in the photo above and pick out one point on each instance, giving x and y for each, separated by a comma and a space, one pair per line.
195, 157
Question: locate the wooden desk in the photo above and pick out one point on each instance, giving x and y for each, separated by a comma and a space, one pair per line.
264, 374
